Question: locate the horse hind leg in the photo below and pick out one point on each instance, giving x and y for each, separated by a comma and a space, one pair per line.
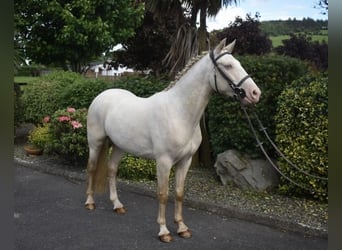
96, 170
113, 165
91, 167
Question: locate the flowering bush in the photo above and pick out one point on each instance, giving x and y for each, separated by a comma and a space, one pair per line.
67, 128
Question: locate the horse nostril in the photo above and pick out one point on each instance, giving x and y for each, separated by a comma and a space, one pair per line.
256, 94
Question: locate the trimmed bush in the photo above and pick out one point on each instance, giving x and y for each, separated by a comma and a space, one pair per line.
134, 168
81, 93
302, 134
141, 86
43, 96
227, 124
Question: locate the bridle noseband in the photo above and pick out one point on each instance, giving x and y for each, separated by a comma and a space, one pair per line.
239, 93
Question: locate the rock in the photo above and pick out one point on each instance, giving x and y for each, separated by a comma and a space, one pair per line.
246, 173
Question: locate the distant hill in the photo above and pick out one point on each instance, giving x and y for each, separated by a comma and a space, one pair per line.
286, 27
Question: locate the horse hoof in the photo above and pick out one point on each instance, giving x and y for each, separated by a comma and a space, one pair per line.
90, 206
165, 238
186, 234
120, 210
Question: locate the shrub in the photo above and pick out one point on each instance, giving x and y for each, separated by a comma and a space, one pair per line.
141, 86
301, 46
81, 93
68, 133
40, 136
44, 95
302, 133
228, 127
135, 168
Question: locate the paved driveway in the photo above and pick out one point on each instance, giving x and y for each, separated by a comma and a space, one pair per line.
49, 214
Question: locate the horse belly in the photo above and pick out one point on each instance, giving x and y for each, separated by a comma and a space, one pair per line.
127, 127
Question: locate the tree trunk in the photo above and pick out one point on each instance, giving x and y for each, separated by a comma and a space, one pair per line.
202, 31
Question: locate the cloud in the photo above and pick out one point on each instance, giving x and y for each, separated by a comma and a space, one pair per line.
224, 17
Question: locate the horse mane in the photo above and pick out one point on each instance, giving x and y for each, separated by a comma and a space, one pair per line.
186, 68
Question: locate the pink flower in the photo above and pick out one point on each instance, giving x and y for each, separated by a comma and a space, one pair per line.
71, 110
63, 118
76, 124
46, 119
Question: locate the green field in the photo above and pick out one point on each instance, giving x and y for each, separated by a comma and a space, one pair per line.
277, 40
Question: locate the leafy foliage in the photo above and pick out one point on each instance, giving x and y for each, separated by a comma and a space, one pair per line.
43, 95
143, 87
40, 136
302, 133
227, 125
68, 134
300, 46
134, 168
150, 44
73, 32
250, 39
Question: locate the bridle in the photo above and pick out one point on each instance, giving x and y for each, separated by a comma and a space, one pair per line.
239, 92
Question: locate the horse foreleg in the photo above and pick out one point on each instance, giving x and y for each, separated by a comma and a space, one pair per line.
181, 170
163, 172
112, 173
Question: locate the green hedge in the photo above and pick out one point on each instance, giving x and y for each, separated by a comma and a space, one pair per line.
228, 127
60, 89
43, 96
302, 133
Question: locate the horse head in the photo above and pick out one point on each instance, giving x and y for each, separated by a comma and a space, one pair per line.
230, 78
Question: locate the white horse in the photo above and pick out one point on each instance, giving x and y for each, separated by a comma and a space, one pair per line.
164, 127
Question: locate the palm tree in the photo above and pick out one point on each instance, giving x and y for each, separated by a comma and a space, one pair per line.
189, 41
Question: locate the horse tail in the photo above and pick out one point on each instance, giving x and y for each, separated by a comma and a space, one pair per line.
101, 171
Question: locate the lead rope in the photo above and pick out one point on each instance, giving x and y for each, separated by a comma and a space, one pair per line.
259, 144
262, 128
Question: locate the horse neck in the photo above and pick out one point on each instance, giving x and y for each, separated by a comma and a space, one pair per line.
193, 90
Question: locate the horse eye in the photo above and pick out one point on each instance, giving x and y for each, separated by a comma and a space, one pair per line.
229, 66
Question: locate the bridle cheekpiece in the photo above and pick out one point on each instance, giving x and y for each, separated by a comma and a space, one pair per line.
239, 92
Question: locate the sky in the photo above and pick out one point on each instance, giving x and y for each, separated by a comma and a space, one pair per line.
268, 10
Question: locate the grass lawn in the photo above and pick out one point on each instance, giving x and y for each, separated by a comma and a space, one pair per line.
24, 79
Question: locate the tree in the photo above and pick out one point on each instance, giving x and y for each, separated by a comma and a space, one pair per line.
250, 39
206, 8
301, 46
323, 4
188, 40
72, 32
151, 42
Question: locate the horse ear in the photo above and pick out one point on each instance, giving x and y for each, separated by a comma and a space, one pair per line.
230, 46
220, 46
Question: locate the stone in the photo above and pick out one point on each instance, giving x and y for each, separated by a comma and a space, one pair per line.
246, 173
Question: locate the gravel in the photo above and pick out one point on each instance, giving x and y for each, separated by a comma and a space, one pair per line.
203, 190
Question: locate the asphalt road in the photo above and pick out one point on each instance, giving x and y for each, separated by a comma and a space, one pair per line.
49, 213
